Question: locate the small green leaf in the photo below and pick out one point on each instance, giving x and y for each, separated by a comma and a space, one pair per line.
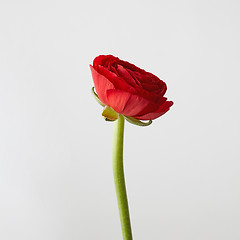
109, 114
96, 97
137, 122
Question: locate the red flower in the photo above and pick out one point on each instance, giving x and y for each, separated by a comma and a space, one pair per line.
129, 90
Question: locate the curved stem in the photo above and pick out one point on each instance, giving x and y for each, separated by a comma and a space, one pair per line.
118, 173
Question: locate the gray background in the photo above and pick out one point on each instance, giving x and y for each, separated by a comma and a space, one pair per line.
55, 149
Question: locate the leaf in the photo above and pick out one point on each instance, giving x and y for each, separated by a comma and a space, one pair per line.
96, 97
109, 114
137, 122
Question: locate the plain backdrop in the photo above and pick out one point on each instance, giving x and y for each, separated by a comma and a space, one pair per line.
182, 172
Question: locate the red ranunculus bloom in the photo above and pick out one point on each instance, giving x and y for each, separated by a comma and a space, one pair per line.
129, 90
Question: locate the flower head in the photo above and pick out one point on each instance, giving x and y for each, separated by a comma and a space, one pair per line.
129, 90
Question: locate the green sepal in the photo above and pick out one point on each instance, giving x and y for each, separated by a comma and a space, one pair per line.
108, 120
97, 98
137, 122
109, 114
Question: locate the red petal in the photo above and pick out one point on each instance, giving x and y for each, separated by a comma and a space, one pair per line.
118, 82
126, 75
102, 60
126, 103
131, 67
102, 84
159, 112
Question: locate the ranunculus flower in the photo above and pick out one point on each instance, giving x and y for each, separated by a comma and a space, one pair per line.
129, 90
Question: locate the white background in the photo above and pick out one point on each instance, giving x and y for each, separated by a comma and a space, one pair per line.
182, 172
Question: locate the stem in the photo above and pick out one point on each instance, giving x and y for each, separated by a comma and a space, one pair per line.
118, 173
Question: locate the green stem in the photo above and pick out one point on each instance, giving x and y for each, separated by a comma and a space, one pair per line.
118, 173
